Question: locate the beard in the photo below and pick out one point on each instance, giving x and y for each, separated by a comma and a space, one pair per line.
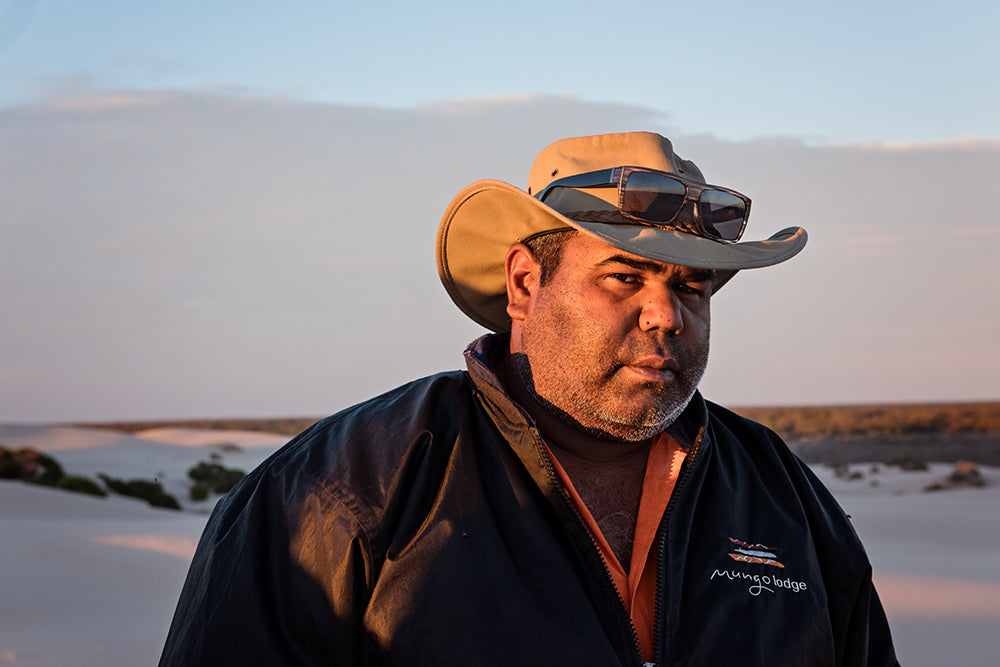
594, 402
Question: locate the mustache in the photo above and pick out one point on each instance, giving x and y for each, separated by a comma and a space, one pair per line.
645, 348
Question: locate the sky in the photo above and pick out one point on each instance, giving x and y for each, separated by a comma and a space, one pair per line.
228, 209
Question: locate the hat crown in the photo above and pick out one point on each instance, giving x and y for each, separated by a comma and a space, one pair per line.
579, 155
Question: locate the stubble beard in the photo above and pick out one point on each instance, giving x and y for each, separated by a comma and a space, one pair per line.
673, 399
575, 405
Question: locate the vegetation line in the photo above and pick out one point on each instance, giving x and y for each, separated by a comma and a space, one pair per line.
790, 422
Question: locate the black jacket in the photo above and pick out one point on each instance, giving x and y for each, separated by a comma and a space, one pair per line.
425, 527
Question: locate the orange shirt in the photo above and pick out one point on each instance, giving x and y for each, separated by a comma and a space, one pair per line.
638, 587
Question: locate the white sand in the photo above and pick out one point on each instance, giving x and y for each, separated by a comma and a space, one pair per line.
90, 581
936, 558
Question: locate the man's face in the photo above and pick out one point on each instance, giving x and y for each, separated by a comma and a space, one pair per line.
613, 342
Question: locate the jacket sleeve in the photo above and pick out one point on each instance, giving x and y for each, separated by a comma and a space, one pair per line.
868, 640
279, 577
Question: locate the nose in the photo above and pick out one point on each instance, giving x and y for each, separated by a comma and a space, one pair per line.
661, 310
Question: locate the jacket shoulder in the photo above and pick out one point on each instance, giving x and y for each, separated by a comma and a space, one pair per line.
357, 455
288, 552
738, 423
747, 444
384, 421
763, 446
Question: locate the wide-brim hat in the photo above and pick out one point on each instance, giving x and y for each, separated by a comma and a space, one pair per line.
488, 217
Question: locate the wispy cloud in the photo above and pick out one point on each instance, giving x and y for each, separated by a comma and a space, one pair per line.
987, 144
111, 102
199, 254
466, 104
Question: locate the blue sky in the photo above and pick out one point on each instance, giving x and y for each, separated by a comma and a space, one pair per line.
185, 234
832, 72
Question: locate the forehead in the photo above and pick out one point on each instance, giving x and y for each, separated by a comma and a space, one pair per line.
585, 252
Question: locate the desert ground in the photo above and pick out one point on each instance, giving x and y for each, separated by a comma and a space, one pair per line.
94, 581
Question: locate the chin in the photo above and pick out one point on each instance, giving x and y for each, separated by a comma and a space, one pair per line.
628, 433
631, 428
650, 421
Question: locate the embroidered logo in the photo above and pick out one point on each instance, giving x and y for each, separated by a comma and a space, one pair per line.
754, 553
757, 583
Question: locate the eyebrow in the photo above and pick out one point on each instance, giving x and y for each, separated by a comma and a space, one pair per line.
688, 272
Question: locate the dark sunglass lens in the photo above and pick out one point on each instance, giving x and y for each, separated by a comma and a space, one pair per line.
722, 214
652, 197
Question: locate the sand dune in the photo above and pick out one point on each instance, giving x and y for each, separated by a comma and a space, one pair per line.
91, 581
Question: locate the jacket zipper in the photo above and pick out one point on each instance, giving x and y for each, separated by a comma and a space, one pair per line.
597, 549
659, 652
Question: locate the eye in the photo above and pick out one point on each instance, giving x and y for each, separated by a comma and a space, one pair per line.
626, 278
700, 288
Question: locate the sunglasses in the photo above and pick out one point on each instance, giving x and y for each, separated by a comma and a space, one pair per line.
656, 198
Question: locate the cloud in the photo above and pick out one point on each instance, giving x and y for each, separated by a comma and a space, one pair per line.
204, 254
968, 144
464, 105
110, 102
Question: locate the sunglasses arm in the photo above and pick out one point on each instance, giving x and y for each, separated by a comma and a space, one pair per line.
593, 179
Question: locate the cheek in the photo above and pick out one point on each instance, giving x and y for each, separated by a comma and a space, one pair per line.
699, 316
565, 340
560, 314
699, 324
581, 331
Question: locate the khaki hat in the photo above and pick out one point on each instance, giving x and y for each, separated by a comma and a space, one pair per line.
488, 217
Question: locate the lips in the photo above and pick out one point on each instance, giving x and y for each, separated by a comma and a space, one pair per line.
654, 368
656, 362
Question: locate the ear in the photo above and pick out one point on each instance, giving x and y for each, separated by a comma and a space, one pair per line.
523, 279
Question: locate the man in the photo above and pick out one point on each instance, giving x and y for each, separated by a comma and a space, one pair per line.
570, 499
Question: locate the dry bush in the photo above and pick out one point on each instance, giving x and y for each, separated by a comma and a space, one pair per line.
791, 422
875, 420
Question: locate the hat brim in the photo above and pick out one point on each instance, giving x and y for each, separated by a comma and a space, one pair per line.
488, 217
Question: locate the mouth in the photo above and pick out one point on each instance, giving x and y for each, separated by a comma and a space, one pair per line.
654, 369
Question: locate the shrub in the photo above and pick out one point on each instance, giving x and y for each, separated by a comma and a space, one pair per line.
144, 489
165, 500
874, 420
216, 477
30, 465
907, 461
199, 492
45, 469
205, 472
10, 468
81, 485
